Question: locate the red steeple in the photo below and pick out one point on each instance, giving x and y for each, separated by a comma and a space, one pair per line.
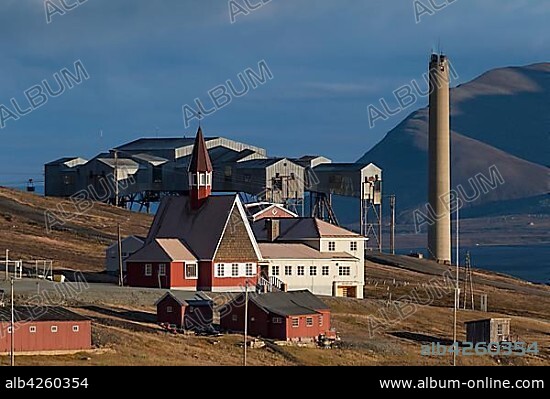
200, 172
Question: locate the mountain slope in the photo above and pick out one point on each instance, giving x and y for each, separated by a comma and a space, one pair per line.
496, 119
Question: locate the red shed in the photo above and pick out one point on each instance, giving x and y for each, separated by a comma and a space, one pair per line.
287, 316
187, 310
44, 329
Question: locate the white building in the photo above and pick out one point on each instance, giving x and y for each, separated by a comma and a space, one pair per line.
308, 253
129, 245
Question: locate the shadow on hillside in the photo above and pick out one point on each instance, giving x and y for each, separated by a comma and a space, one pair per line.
130, 315
421, 338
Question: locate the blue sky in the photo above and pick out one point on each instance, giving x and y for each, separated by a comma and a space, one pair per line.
330, 60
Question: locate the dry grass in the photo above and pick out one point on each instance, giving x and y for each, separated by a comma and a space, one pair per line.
80, 244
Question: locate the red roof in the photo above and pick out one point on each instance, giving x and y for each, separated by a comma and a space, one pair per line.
200, 160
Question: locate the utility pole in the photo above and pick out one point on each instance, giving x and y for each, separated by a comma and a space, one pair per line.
392, 226
380, 218
116, 178
120, 272
7, 260
245, 319
457, 289
12, 328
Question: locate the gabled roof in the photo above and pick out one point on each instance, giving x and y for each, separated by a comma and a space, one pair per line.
335, 167
260, 207
45, 313
260, 163
291, 303
199, 229
129, 238
125, 163
303, 228
200, 160
223, 155
152, 159
162, 143
163, 250
69, 162
277, 250
185, 298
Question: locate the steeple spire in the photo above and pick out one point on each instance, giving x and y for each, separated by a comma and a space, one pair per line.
200, 172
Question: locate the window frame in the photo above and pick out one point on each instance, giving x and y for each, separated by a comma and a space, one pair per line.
353, 246
295, 322
53, 329
32, 329
169, 309
344, 270
325, 268
234, 270
196, 267
162, 269
288, 270
220, 267
148, 270
332, 246
301, 270
275, 270
252, 273
309, 321
313, 270
76, 328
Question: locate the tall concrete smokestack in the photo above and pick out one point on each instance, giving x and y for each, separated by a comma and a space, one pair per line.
439, 184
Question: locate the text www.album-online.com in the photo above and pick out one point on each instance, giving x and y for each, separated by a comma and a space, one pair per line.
485, 383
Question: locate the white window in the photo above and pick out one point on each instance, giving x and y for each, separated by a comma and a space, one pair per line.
288, 270
309, 321
53, 329
194, 179
325, 270
301, 270
162, 269
234, 317
202, 177
208, 182
250, 270
32, 329
169, 309
148, 269
353, 246
9, 330
277, 320
332, 246
344, 271
320, 320
191, 270
295, 322
275, 270
76, 328
313, 270
220, 270
235, 270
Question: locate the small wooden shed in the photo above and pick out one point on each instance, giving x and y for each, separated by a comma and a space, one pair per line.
488, 330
